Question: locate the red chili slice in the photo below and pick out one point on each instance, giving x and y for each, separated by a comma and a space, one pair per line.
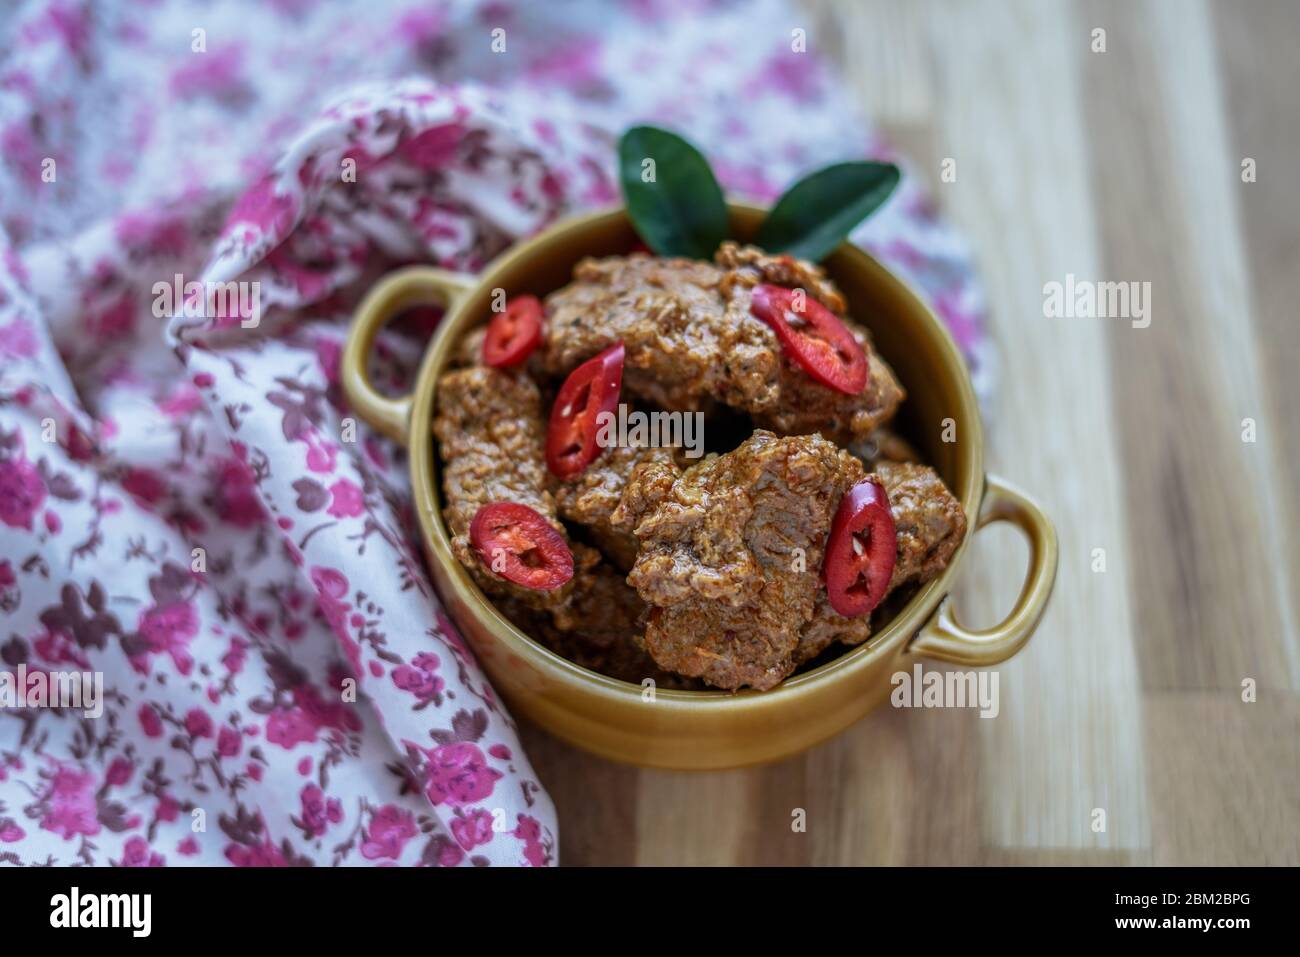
860, 550
812, 337
519, 545
514, 334
590, 389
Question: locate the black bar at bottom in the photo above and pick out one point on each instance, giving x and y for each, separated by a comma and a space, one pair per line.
232, 905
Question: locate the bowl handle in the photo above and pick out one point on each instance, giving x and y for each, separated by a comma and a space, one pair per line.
398, 291
944, 639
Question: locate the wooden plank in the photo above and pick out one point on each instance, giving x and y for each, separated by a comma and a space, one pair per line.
859, 809
694, 819
1261, 74
777, 827
1209, 572
881, 48
1008, 102
1063, 858
897, 788
1224, 783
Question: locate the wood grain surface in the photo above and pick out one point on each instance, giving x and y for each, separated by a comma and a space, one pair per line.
1117, 165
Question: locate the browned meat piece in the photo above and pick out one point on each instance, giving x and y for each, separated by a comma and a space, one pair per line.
748, 266
929, 520
603, 607
730, 557
469, 350
591, 498
807, 406
648, 484
827, 627
690, 339
930, 524
490, 433
599, 630
884, 445
624, 660
681, 345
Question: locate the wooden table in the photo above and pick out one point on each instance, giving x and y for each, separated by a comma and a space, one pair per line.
1116, 165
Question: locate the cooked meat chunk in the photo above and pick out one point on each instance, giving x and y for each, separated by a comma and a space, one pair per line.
827, 627
681, 345
600, 629
489, 430
730, 557
884, 445
807, 406
929, 522
624, 660
928, 519
603, 607
648, 484
690, 339
748, 266
469, 350
590, 498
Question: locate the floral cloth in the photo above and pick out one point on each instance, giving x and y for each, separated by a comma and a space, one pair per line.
187, 505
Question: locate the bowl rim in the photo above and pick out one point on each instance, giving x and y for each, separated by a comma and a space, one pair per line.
420, 447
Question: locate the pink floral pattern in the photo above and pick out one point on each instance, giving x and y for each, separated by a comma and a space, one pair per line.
187, 505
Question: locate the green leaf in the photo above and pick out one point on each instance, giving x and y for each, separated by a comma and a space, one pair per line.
818, 212
681, 212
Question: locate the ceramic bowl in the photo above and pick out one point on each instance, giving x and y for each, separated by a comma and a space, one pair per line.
703, 730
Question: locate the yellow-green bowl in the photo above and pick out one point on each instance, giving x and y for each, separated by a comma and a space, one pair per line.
690, 729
